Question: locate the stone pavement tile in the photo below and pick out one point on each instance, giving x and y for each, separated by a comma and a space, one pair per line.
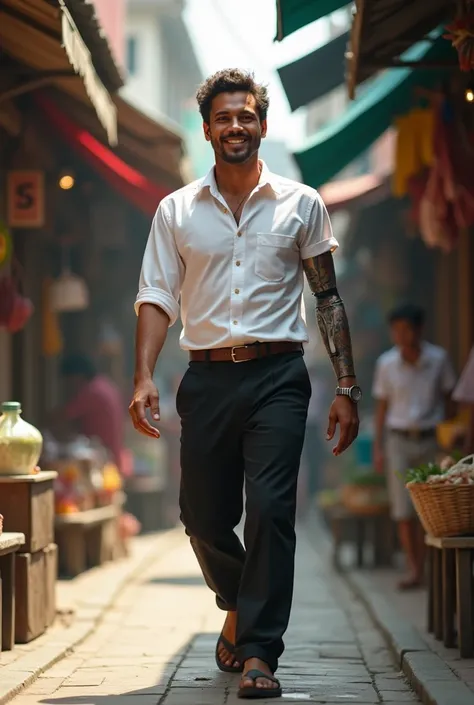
196, 696
45, 686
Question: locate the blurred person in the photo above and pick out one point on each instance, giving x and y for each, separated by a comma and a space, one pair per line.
229, 250
412, 387
95, 407
170, 428
464, 395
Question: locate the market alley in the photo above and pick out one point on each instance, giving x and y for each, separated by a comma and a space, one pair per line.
156, 646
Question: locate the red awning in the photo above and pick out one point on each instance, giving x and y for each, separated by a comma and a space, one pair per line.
341, 194
130, 183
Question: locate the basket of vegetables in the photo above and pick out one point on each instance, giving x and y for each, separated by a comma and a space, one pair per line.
364, 493
443, 496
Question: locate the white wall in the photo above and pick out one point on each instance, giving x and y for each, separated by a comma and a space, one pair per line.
144, 88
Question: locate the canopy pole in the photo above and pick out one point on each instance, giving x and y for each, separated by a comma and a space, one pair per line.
352, 56
280, 34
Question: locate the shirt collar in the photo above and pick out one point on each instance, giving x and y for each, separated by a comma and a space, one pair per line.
423, 361
266, 178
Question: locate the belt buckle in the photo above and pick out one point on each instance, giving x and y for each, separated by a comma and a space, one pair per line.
238, 347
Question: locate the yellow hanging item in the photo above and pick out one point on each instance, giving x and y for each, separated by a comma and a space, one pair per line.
414, 148
52, 342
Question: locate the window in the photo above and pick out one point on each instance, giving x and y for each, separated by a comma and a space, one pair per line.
132, 50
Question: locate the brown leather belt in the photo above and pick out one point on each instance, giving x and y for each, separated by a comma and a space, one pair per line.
244, 353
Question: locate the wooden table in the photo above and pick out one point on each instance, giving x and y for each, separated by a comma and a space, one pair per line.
374, 528
9, 545
86, 539
450, 591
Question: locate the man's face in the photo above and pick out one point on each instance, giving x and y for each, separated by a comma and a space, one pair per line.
404, 334
235, 130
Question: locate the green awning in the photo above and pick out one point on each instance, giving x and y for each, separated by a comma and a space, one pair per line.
294, 14
315, 74
366, 118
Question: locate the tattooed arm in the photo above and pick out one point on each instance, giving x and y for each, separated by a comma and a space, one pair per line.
334, 328
331, 314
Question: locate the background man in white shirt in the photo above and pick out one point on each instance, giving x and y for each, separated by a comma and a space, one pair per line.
228, 252
412, 386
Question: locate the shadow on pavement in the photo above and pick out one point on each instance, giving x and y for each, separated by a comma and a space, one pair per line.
192, 672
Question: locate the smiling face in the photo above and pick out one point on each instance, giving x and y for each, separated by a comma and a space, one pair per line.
235, 130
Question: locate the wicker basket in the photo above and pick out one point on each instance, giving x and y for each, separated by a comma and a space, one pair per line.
364, 499
444, 510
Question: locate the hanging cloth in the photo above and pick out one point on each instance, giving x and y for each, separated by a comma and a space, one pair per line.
414, 147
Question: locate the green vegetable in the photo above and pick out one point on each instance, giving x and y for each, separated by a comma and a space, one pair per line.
421, 473
365, 479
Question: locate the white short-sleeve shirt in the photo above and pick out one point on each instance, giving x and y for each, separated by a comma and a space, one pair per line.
415, 393
234, 284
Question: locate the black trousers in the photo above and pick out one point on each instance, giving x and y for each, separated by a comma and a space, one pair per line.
245, 422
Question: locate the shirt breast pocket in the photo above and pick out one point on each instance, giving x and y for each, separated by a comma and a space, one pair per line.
275, 253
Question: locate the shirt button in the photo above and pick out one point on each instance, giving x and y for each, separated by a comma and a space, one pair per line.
236, 291
239, 234
237, 264
225, 211
235, 322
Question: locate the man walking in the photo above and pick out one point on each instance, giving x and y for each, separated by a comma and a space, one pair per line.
412, 387
229, 250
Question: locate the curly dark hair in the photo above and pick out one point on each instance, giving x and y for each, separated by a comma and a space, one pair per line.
231, 81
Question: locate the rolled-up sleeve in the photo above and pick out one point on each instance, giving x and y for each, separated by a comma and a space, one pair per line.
162, 268
318, 237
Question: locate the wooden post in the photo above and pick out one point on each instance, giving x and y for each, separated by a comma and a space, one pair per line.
464, 602
7, 571
449, 595
437, 595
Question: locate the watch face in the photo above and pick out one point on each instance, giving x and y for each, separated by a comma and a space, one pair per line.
356, 394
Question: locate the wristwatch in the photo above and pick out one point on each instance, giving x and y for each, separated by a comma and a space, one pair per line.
354, 393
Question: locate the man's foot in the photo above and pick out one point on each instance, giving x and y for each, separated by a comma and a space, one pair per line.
224, 655
256, 664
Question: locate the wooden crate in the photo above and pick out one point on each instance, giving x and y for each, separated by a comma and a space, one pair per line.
9, 544
28, 507
35, 593
88, 539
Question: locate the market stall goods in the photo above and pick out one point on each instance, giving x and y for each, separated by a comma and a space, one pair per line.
20, 442
443, 496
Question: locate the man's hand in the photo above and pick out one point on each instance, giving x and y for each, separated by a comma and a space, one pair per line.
343, 412
145, 397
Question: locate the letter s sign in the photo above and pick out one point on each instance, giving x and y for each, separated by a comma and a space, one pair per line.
25, 202
25, 195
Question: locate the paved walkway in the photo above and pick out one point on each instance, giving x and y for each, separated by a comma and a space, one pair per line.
156, 646
412, 606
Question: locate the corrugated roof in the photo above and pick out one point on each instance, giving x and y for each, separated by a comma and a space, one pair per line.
87, 22
383, 30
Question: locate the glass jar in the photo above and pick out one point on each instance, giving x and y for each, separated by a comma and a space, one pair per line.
20, 442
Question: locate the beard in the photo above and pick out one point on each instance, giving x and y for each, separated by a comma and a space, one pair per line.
236, 154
